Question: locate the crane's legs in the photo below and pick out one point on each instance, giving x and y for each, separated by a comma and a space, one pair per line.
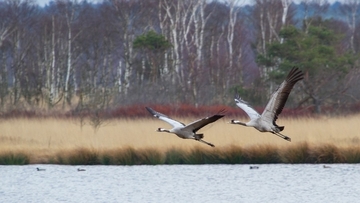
208, 143
282, 136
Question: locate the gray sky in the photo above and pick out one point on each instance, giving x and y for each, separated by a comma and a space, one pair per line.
43, 2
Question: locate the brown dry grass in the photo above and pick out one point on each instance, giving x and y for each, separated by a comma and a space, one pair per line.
44, 138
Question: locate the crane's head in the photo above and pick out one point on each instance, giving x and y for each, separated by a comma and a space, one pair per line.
237, 122
162, 130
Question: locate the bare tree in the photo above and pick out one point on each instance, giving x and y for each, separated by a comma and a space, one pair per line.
179, 16
20, 18
313, 9
49, 32
70, 11
350, 10
85, 53
270, 16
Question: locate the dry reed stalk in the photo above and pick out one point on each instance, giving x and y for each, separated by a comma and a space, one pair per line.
43, 138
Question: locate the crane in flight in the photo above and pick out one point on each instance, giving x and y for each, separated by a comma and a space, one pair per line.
186, 131
266, 122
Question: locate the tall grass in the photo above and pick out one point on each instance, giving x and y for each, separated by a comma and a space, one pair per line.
134, 142
262, 154
11, 158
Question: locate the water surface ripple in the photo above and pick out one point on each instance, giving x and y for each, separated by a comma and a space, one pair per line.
181, 183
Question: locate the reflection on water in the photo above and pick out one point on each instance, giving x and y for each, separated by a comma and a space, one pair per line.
181, 183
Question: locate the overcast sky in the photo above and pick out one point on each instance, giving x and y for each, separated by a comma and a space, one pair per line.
43, 2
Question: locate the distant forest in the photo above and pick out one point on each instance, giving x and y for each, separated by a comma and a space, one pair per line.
75, 55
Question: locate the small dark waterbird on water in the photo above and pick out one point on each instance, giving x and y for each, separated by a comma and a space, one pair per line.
186, 131
266, 121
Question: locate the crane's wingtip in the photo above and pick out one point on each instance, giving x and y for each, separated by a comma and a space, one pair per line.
237, 99
240, 101
151, 111
296, 74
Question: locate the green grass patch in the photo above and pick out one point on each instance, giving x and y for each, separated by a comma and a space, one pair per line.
297, 154
175, 156
80, 156
259, 154
131, 156
232, 155
262, 154
10, 158
202, 156
352, 155
327, 153
152, 157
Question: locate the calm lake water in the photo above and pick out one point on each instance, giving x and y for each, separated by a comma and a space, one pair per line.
181, 183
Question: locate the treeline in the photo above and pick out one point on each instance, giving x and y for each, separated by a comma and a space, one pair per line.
94, 56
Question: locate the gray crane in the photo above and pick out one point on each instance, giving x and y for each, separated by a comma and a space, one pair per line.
186, 131
266, 121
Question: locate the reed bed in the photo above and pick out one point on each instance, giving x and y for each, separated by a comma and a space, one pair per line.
135, 141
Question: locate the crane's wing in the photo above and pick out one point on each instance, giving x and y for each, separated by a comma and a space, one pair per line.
247, 108
279, 97
165, 118
196, 125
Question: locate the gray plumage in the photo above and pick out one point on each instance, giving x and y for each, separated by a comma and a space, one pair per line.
186, 131
266, 122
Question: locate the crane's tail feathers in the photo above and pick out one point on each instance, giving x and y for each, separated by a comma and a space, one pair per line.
199, 136
208, 143
278, 128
